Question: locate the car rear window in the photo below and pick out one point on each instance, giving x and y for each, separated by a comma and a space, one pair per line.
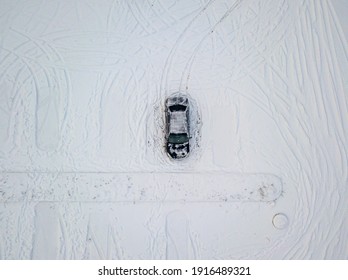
177, 107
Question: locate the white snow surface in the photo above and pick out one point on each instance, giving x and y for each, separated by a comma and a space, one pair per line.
83, 169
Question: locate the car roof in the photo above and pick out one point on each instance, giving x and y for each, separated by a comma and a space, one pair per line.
178, 122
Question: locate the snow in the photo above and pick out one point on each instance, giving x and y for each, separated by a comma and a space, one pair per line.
83, 168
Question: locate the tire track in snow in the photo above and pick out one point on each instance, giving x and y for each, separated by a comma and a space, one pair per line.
35, 68
304, 156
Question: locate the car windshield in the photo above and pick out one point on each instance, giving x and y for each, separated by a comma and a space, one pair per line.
179, 138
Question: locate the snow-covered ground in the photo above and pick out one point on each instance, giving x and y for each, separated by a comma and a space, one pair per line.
84, 173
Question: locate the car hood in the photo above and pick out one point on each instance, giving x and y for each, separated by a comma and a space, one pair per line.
178, 151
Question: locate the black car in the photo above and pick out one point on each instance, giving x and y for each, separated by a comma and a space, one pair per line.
177, 126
